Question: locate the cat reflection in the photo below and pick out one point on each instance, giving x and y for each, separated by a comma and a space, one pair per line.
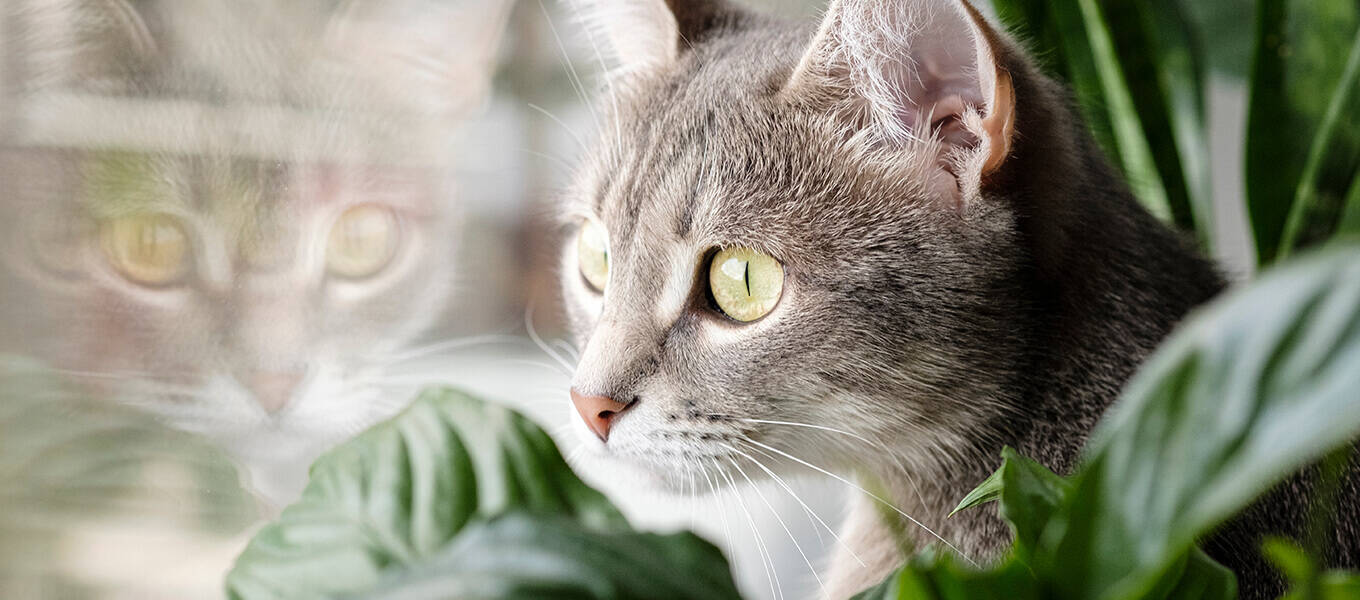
235, 215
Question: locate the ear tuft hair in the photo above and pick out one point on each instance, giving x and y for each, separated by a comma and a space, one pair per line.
914, 71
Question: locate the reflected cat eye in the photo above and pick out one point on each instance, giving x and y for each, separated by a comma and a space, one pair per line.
592, 253
746, 284
362, 242
148, 249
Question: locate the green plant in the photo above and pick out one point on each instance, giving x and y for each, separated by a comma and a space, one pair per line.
1139, 72
458, 498
455, 497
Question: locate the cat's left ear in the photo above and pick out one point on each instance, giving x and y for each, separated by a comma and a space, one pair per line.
913, 70
646, 35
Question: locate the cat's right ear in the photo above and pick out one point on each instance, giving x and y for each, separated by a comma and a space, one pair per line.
644, 35
912, 71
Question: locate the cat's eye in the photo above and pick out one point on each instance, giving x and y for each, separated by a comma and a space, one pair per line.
746, 284
147, 249
362, 241
592, 251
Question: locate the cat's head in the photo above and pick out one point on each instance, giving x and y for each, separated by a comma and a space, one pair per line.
792, 241
234, 214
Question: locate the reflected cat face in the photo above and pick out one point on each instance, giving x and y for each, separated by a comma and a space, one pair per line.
235, 217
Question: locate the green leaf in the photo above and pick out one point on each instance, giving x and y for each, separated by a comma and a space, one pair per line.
1029, 494
529, 556
939, 576
403, 490
1302, 56
1333, 163
1306, 582
1083, 51
987, 491
1256, 386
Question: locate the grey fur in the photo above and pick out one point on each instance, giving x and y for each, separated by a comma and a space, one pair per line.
933, 333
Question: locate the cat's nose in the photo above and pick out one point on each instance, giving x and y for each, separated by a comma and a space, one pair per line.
272, 389
598, 412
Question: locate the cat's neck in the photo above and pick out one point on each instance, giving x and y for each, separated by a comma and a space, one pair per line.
1106, 282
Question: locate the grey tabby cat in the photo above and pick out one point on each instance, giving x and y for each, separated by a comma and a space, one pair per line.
234, 214
884, 246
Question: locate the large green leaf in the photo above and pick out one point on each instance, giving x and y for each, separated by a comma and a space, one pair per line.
543, 556
1256, 386
1302, 57
408, 500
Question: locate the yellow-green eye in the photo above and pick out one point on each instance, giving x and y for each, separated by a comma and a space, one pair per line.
746, 284
362, 241
147, 249
592, 252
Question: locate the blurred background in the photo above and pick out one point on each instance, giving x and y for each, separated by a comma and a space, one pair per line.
238, 233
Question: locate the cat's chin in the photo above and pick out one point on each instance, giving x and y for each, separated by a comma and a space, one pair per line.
630, 474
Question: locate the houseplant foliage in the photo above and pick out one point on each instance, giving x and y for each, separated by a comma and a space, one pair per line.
459, 498
1256, 386
1140, 71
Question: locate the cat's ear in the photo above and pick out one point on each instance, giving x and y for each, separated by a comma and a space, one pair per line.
915, 70
649, 34
434, 55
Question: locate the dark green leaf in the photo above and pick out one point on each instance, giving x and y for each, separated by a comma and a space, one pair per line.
1332, 166
933, 576
403, 490
539, 556
987, 491
1256, 386
1082, 50
1029, 494
1301, 56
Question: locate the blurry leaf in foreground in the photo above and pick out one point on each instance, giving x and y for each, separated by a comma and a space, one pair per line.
1306, 581
84, 473
421, 503
520, 555
1254, 387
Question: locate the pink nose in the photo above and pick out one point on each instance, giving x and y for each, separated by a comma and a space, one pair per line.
272, 390
598, 412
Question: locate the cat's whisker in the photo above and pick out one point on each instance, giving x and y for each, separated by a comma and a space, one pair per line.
573, 77
872, 495
776, 589
119, 375
780, 520
560, 123
812, 513
568, 349
566, 167
872, 443
609, 84
538, 340
542, 365
454, 344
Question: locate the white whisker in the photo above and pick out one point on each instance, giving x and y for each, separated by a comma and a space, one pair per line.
869, 494
780, 520
808, 509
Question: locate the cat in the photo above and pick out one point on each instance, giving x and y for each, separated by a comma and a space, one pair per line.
885, 246
234, 215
